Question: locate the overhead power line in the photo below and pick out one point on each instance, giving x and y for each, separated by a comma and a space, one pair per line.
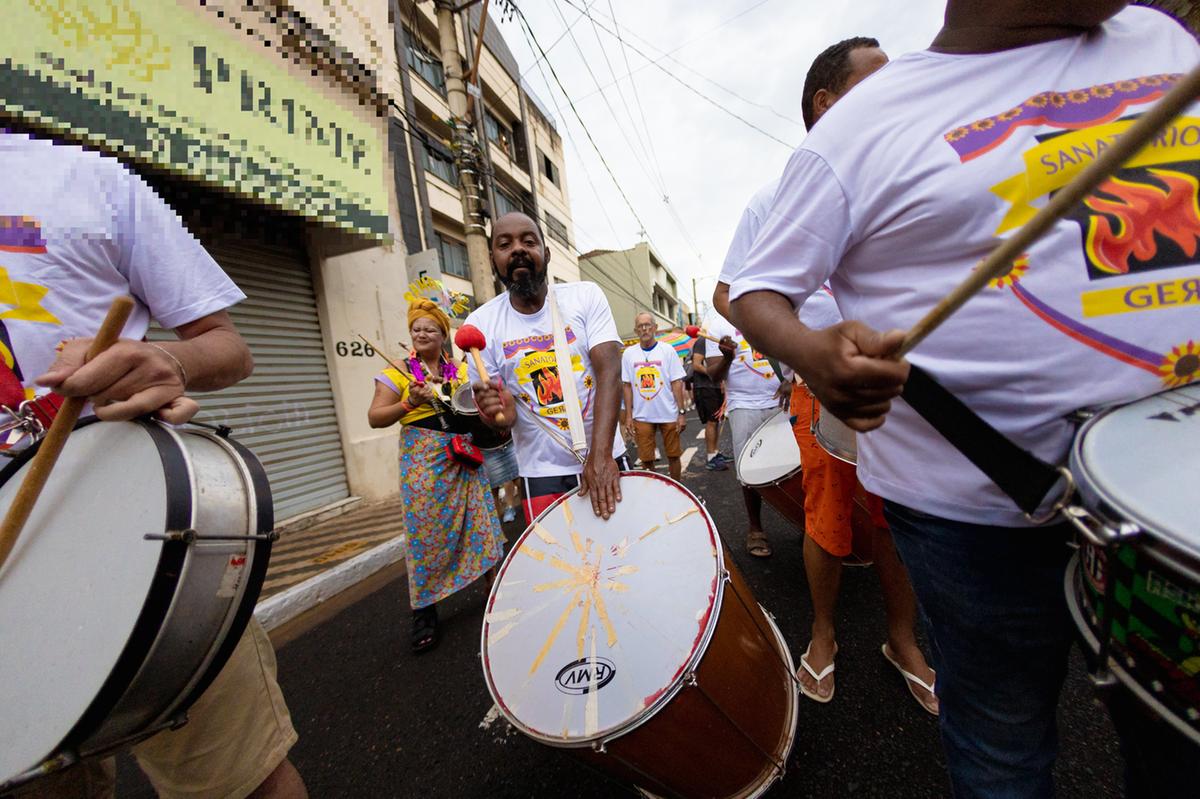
691, 88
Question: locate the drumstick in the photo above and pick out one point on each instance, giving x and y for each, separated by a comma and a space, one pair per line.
391, 363
51, 446
696, 332
1000, 261
471, 339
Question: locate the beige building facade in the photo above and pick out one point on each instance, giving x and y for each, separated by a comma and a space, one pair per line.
635, 280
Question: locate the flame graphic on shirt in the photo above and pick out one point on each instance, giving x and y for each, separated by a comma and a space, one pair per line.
549, 386
1142, 213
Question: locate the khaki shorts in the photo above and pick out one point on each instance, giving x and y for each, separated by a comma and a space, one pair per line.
644, 433
237, 733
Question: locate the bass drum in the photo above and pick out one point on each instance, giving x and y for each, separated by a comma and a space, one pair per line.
1134, 586
131, 584
770, 464
636, 643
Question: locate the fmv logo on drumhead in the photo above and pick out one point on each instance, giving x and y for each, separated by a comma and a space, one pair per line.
578, 676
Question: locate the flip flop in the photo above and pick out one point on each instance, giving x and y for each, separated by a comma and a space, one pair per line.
757, 544
825, 672
912, 681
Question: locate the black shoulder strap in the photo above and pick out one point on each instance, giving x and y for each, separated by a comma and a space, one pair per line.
1024, 477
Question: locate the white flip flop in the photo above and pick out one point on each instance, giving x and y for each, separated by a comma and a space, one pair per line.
911, 680
825, 672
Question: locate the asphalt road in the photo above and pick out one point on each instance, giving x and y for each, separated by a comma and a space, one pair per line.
376, 721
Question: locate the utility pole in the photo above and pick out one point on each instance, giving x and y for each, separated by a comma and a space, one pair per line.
695, 320
467, 155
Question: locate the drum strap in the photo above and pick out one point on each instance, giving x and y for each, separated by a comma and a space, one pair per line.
1020, 474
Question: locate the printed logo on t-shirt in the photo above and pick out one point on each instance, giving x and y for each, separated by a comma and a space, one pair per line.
648, 375
754, 360
1144, 219
22, 301
538, 378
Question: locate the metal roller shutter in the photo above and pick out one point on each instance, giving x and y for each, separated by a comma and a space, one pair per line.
284, 412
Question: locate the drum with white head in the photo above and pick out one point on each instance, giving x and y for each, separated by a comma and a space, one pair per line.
635, 642
770, 464
834, 436
127, 590
466, 419
1134, 586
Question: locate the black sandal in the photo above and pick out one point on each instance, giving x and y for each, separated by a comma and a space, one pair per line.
424, 629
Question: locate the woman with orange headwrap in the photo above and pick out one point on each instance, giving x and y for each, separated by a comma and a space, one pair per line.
453, 534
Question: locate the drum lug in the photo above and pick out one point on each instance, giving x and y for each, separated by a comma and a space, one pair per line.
725, 578
190, 536
689, 680
599, 747
1097, 532
1102, 678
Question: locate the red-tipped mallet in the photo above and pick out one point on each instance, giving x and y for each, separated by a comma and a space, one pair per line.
471, 339
696, 332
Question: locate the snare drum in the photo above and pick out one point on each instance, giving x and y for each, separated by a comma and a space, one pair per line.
770, 464
1134, 586
126, 593
466, 420
635, 643
833, 435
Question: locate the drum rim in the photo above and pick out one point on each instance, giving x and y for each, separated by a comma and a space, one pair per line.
260, 486
1089, 640
163, 587
1096, 499
778, 480
465, 388
699, 647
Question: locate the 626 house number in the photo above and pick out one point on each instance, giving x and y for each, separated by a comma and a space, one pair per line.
354, 349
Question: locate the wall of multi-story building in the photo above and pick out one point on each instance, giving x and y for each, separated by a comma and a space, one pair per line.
291, 192
512, 129
634, 280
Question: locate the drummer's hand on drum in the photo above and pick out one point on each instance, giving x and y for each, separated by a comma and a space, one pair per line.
129, 379
492, 398
850, 370
601, 481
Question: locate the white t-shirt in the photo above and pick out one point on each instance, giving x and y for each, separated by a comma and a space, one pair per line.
909, 180
77, 229
751, 381
650, 374
520, 351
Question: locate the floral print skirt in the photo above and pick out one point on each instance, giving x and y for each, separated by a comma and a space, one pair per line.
454, 536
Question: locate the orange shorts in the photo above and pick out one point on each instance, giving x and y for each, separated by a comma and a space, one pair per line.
829, 484
644, 433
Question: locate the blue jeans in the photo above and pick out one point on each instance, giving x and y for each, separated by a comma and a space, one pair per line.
1000, 633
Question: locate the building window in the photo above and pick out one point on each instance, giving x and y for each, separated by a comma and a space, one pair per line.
548, 168
506, 204
498, 133
454, 257
438, 162
424, 62
557, 230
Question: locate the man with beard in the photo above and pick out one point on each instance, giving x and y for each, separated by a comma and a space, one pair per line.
894, 221
526, 385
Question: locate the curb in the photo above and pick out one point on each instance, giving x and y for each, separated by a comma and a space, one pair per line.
281, 608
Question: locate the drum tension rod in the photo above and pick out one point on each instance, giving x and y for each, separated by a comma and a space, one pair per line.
190, 536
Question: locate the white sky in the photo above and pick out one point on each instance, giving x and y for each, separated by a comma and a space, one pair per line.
710, 162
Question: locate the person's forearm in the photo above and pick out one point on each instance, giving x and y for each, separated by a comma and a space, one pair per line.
627, 408
608, 400
720, 299
700, 368
387, 415
212, 353
677, 390
769, 323
718, 367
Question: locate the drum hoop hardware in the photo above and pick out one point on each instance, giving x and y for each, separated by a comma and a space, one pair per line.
1096, 531
1061, 504
190, 536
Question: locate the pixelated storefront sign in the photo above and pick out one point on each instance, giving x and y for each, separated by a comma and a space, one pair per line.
424, 273
162, 82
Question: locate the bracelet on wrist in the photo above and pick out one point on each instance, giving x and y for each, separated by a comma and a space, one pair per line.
183, 375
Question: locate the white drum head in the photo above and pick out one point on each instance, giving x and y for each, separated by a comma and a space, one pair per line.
463, 400
592, 625
1141, 460
74, 585
771, 454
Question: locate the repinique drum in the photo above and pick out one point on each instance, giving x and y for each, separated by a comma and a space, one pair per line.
128, 589
636, 643
1134, 586
466, 420
770, 464
833, 435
